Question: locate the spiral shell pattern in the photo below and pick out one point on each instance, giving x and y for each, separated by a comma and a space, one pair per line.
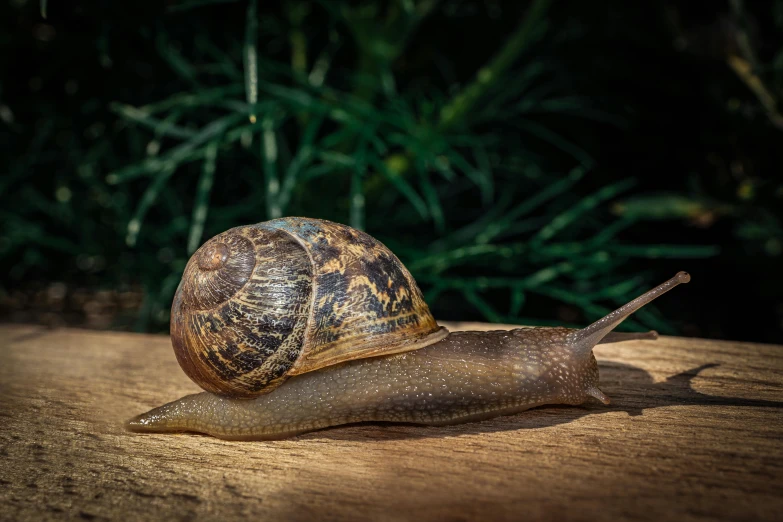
239, 316
263, 302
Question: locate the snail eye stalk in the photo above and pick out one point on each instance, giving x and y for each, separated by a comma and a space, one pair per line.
585, 339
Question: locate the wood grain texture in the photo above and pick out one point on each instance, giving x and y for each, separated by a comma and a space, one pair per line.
694, 432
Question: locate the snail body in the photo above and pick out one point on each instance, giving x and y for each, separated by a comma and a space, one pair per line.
397, 366
467, 376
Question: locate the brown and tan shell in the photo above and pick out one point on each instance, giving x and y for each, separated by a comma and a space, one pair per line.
262, 302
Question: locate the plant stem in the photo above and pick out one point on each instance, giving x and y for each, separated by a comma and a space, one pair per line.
297, 39
746, 67
529, 30
743, 69
251, 58
269, 154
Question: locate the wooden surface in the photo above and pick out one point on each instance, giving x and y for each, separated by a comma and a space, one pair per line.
695, 432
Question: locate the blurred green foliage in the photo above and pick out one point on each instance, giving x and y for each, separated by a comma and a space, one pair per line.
470, 159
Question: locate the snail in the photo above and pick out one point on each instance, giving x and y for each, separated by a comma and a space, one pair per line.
297, 324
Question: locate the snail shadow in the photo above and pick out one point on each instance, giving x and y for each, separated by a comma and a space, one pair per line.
632, 390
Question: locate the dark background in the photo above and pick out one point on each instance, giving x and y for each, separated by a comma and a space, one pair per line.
446, 129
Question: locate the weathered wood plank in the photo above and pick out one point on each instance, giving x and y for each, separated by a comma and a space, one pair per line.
695, 431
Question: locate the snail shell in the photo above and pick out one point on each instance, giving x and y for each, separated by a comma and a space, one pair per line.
260, 303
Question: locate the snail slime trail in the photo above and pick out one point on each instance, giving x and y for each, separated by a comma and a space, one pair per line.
297, 324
